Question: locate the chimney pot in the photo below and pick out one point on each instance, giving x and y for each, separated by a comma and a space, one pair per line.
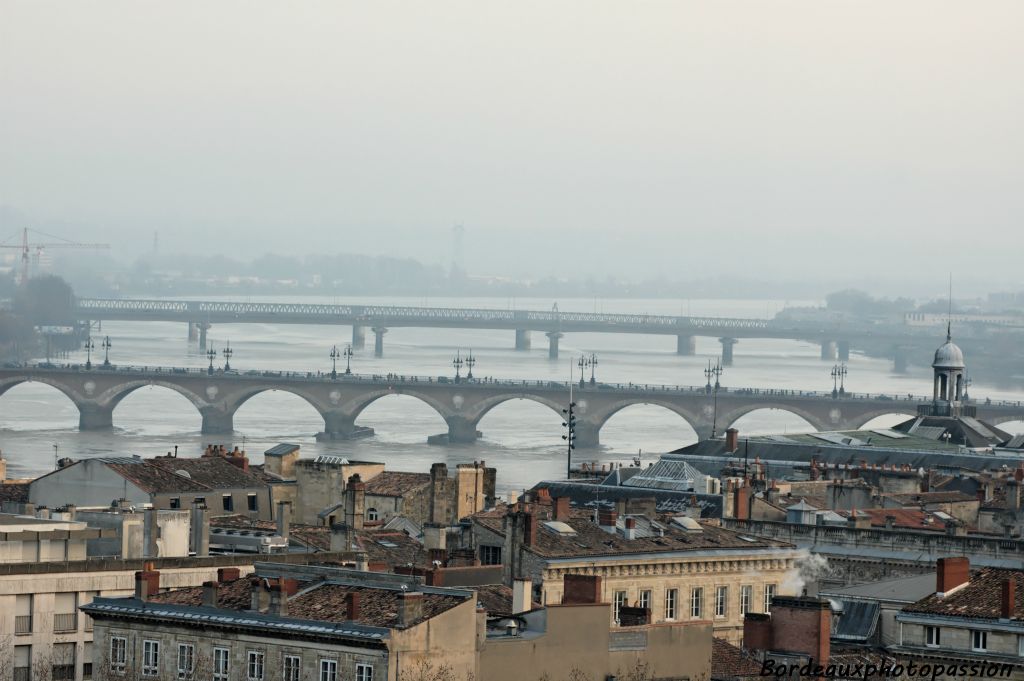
951, 573
352, 606
410, 607
210, 594
1008, 602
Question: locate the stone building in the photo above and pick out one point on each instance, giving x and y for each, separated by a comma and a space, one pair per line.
676, 568
222, 482
333, 624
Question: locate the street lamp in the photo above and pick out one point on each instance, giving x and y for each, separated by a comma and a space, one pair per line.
106, 352
457, 363
715, 371
583, 362
838, 380
334, 362
593, 363
842, 379
228, 352
89, 347
212, 354
470, 362
348, 360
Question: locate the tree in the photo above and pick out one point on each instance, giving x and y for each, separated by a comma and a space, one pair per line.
45, 300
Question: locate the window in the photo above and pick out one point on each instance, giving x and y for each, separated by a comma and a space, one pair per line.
364, 672
328, 670
87, 660
118, 654
253, 502
620, 600
645, 599
65, 612
372, 515
721, 601
292, 667
63, 668
746, 596
186, 660
671, 598
979, 641
490, 555
199, 500
221, 664
150, 658
255, 665
228, 502
22, 663
175, 502
696, 601
23, 614
931, 637
769, 594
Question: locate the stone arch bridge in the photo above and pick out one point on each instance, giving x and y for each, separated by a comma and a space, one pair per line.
462, 405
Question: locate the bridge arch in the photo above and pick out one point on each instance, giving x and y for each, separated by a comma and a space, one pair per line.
357, 405
8, 383
690, 422
692, 419
113, 395
234, 400
483, 407
729, 418
61, 414
861, 420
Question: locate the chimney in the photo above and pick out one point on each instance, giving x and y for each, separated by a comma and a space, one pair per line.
732, 440
68, 508
581, 590
757, 631
522, 596
607, 520
228, 574
529, 529
210, 594
147, 583
258, 594
741, 502
630, 530
435, 537
352, 606
799, 625
1008, 600
355, 502
199, 530
951, 574
561, 508
278, 600
890, 522
284, 518
1018, 472
342, 537
410, 607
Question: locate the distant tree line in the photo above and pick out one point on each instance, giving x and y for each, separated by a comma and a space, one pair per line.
42, 301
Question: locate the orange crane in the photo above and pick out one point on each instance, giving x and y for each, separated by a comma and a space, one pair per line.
26, 248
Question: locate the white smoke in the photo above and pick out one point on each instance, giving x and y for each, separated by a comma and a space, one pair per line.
805, 574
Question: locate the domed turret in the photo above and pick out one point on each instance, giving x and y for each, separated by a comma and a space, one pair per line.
949, 355
949, 374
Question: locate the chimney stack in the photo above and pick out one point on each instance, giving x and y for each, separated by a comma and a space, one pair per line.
732, 440
581, 589
741, 502
355, 502
561, 509
284, 518
529, 529
522, 596
352, 606
1008, 601
147, 583
607, 519
210, 594
951, 573
410, 607
630, 529
199, 530
278, 599
228, 574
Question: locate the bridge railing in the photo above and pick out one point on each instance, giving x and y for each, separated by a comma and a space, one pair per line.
488, 382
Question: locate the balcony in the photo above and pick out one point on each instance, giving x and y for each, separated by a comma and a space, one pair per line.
64, 622
23, 624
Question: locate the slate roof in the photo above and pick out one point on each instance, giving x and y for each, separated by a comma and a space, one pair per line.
729, 662
586, 494
590, 540
857, 620
979, 599
155, 479
943, 497
396, 483
904, 589
281, 449
310, 536
903, 518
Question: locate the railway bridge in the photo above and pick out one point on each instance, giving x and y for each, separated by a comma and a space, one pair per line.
340, 401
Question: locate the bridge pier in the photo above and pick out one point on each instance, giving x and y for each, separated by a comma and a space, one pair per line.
522, 339
844, 351
95, 417
378, 341
202, 335
899, 360
686, 345
217, 421
828, 350
727, 346
588, 435
461, 430
358, 337
193, 332
340, 426
553, 337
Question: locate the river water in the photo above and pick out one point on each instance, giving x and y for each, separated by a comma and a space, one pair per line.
522, 439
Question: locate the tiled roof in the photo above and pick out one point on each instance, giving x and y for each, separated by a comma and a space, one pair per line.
396, 483
945, 497
729, 662
233, 595
903, 518
215, 472
14, 492
590, 540
980, 598
496, 598
155, 479
310, 536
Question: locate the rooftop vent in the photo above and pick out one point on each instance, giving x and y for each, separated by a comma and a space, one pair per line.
560, 528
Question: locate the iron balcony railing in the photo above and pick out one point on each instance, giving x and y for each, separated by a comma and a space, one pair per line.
65, 622
23, 624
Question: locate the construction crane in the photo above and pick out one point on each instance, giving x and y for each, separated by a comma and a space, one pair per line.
26, 248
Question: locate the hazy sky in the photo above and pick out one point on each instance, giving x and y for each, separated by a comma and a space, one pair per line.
832, 139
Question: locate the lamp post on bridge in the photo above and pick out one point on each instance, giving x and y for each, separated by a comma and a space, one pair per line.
89, 347
583, 362
334, 362
348, 359
838, 380
715, 371
106, 352
228, 352
593, 363
470, 363
212, 355
457, 363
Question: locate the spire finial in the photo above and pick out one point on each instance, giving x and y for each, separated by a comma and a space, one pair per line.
949, 331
